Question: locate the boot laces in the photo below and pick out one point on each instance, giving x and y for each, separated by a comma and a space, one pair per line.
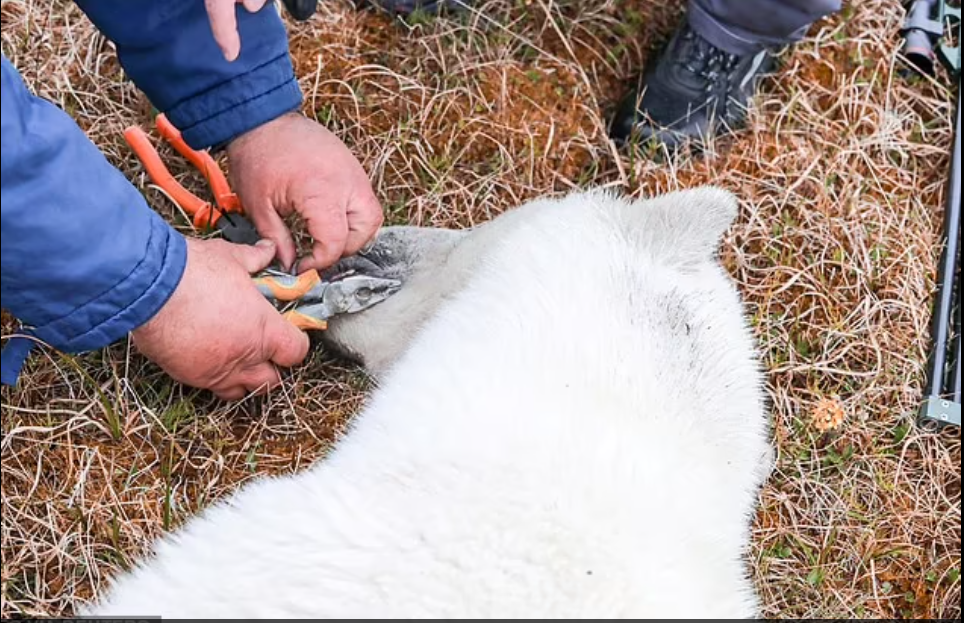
708, 62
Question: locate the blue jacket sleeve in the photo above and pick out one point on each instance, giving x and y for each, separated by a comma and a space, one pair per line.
169, 51
85, 260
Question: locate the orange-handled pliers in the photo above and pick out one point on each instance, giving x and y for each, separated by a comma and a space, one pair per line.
318, 300
225, 214
312, 301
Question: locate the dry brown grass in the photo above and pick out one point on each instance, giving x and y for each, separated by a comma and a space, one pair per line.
841, 172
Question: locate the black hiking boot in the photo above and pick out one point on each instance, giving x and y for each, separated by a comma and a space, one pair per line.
693, 90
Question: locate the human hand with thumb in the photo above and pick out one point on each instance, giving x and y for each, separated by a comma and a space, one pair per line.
217, 331
294, 165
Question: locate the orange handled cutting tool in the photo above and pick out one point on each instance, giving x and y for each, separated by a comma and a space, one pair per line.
318, 300
310, 301
224, 214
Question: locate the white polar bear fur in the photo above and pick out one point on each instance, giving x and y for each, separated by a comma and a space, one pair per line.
569, 422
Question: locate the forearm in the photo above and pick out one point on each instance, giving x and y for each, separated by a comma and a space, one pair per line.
84, 259
168, 50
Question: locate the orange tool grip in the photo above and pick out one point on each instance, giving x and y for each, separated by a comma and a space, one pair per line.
226, 200
287, 288
305, 322
201, 210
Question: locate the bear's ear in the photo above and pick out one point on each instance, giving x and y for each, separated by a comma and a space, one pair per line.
687, 225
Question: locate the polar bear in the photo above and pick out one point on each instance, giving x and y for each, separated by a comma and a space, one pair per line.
568, 421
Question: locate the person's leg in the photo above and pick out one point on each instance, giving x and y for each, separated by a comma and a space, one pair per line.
702, 82
746, 26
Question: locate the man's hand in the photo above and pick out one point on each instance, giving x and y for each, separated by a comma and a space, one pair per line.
224, 23
293, 164
217, 331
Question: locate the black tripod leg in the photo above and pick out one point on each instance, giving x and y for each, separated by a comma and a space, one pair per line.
954, 382
957, 372
938, 406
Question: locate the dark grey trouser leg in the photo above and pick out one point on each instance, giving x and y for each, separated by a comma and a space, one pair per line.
747, 26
